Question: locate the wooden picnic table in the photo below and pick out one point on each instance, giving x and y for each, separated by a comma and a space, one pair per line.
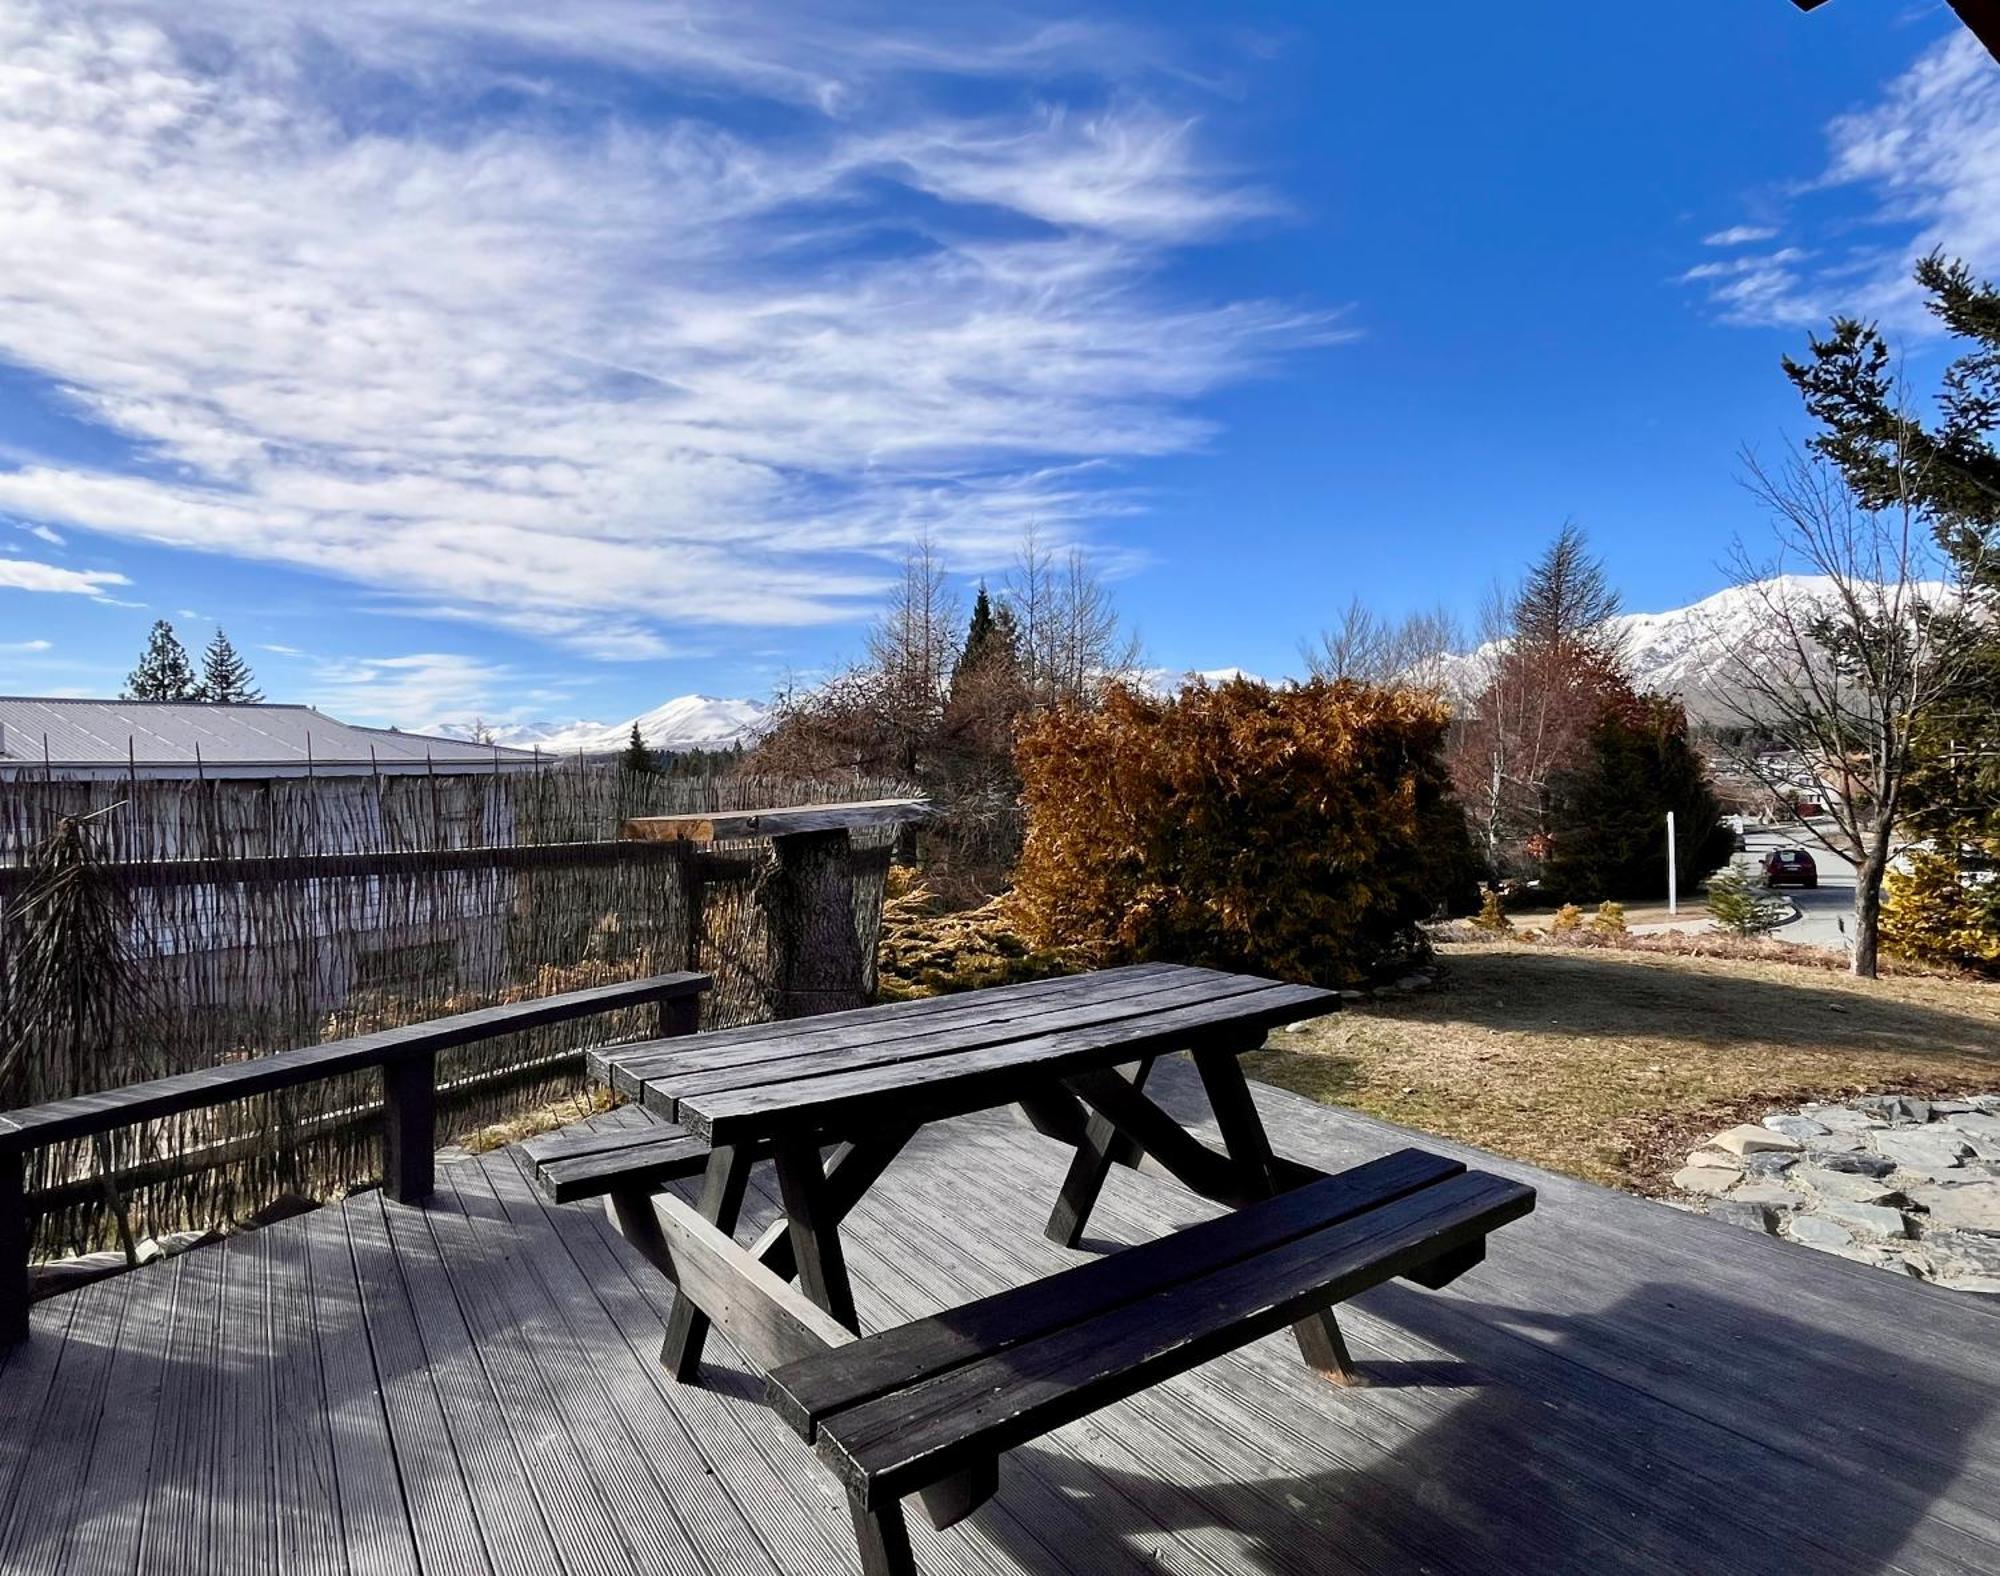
928, 1407
867, 1080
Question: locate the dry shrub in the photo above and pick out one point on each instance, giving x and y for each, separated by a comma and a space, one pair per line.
929, 948
1301, 832
1701, 944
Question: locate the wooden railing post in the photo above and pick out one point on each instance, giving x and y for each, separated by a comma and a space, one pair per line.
679, 1015
816, 963
409, 1127
13, 1247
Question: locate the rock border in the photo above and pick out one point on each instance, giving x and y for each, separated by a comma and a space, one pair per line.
1907, 1185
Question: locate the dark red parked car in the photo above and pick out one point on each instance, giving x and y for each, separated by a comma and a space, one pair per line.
1790, 867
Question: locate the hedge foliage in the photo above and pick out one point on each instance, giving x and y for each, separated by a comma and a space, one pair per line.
1301, 832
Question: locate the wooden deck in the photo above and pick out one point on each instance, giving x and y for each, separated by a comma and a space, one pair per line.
472, 1387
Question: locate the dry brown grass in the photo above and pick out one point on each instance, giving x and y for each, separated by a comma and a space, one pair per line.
1609, 1064
590, 1102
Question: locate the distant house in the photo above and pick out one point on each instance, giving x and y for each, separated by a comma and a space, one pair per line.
87, 740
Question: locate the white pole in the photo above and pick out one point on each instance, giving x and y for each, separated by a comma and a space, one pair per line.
1673, 872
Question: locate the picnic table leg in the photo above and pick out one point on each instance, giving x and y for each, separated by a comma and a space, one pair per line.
814, 1228
722, 1188
884, 1539
1320, 1342
1103, 1147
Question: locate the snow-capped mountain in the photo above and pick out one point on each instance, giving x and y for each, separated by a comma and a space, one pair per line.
687, 722
1687, 651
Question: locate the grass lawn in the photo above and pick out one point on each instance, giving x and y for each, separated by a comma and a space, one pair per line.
1611, 1065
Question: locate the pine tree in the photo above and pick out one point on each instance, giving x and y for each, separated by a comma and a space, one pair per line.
979, 633
636, 758
225, 677
1945, 471
164, 672
1742, 907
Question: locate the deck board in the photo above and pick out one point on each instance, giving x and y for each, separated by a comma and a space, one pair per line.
473, 1387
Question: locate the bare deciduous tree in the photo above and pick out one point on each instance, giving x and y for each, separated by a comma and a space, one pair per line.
1832, 690
1073, 643
1412, 652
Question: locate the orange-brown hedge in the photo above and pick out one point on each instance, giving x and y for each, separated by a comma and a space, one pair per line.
1300, 832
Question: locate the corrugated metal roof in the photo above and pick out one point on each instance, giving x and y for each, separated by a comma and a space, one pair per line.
102, 733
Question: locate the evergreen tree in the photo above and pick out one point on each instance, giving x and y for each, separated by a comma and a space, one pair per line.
1949, 468
164, 672
979, 630
636, 757
1744, 907
1609, 810
225, 676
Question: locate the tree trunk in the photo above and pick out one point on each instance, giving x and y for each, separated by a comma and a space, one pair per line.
1868, 908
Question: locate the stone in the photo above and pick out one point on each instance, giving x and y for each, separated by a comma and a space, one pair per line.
1709, 1181
1970, 1206
1894, 1107
1839, 1143
1984, 1102
1869, 1220
1990, 1285
1815, 1232
1951, 1107
1976, 1124
1923, 1154
1857, 1162
1748, 1140
1770, 1163
1844, 1119
1848, 1185
1715, 1157
1954, 1254
1799, 1127
1750, 1216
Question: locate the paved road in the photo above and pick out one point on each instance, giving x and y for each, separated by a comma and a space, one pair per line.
1824, 913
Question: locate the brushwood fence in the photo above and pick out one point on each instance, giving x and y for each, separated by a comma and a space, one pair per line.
225, 919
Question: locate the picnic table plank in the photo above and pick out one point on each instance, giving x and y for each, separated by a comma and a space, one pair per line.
806, 1392
626, 1067
687, 1078
949, 1084
895, 1443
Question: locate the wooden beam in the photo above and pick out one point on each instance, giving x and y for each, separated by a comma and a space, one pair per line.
717, 826
109, 1109
769, 1320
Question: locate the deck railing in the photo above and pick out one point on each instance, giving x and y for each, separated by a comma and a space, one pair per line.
406, 1056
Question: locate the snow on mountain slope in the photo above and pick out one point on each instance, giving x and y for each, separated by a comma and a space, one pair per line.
1685, 651
687, 722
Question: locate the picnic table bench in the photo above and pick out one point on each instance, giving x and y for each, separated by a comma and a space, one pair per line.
927, 1408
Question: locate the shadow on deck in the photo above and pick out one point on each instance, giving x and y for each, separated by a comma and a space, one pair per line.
472, 1386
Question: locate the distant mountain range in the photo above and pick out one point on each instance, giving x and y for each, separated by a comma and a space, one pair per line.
688, 722
1686, 651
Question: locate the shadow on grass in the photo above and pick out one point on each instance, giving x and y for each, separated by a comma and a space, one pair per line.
1609, 996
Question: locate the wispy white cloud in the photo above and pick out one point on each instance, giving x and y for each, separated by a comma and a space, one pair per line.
1740, 235
24, 574
587, 374
402, 690
1925, 158
26, 645
45, 533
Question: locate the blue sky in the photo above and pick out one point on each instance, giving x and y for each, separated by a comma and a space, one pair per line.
533, 361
